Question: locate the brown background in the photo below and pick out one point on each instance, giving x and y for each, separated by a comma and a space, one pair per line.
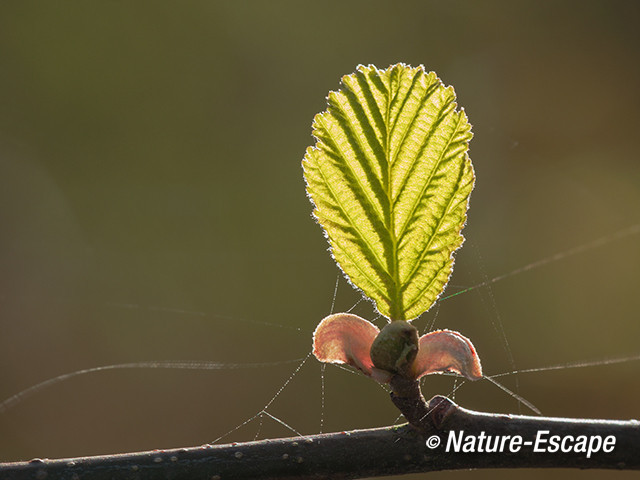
150, 166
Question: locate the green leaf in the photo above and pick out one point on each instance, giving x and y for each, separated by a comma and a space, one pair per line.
390, 179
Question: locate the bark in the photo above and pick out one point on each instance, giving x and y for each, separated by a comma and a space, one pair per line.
362, 453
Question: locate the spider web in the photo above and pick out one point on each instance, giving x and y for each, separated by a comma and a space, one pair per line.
269, 414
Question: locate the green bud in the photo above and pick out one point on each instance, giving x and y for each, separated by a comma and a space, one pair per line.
395, 347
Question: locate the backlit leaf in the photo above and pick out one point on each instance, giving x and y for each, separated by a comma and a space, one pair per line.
390, 180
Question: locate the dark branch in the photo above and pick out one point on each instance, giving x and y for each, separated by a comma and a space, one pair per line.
360, 453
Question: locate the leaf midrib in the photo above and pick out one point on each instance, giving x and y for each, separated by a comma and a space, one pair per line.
396, 310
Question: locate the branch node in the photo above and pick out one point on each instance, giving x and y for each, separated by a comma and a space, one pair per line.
440, 409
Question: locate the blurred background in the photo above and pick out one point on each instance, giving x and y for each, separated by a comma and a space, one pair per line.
152, 207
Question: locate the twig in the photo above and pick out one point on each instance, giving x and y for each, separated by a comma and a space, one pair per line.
363, 453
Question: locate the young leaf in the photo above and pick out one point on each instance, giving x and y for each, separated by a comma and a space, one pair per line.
390, 180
